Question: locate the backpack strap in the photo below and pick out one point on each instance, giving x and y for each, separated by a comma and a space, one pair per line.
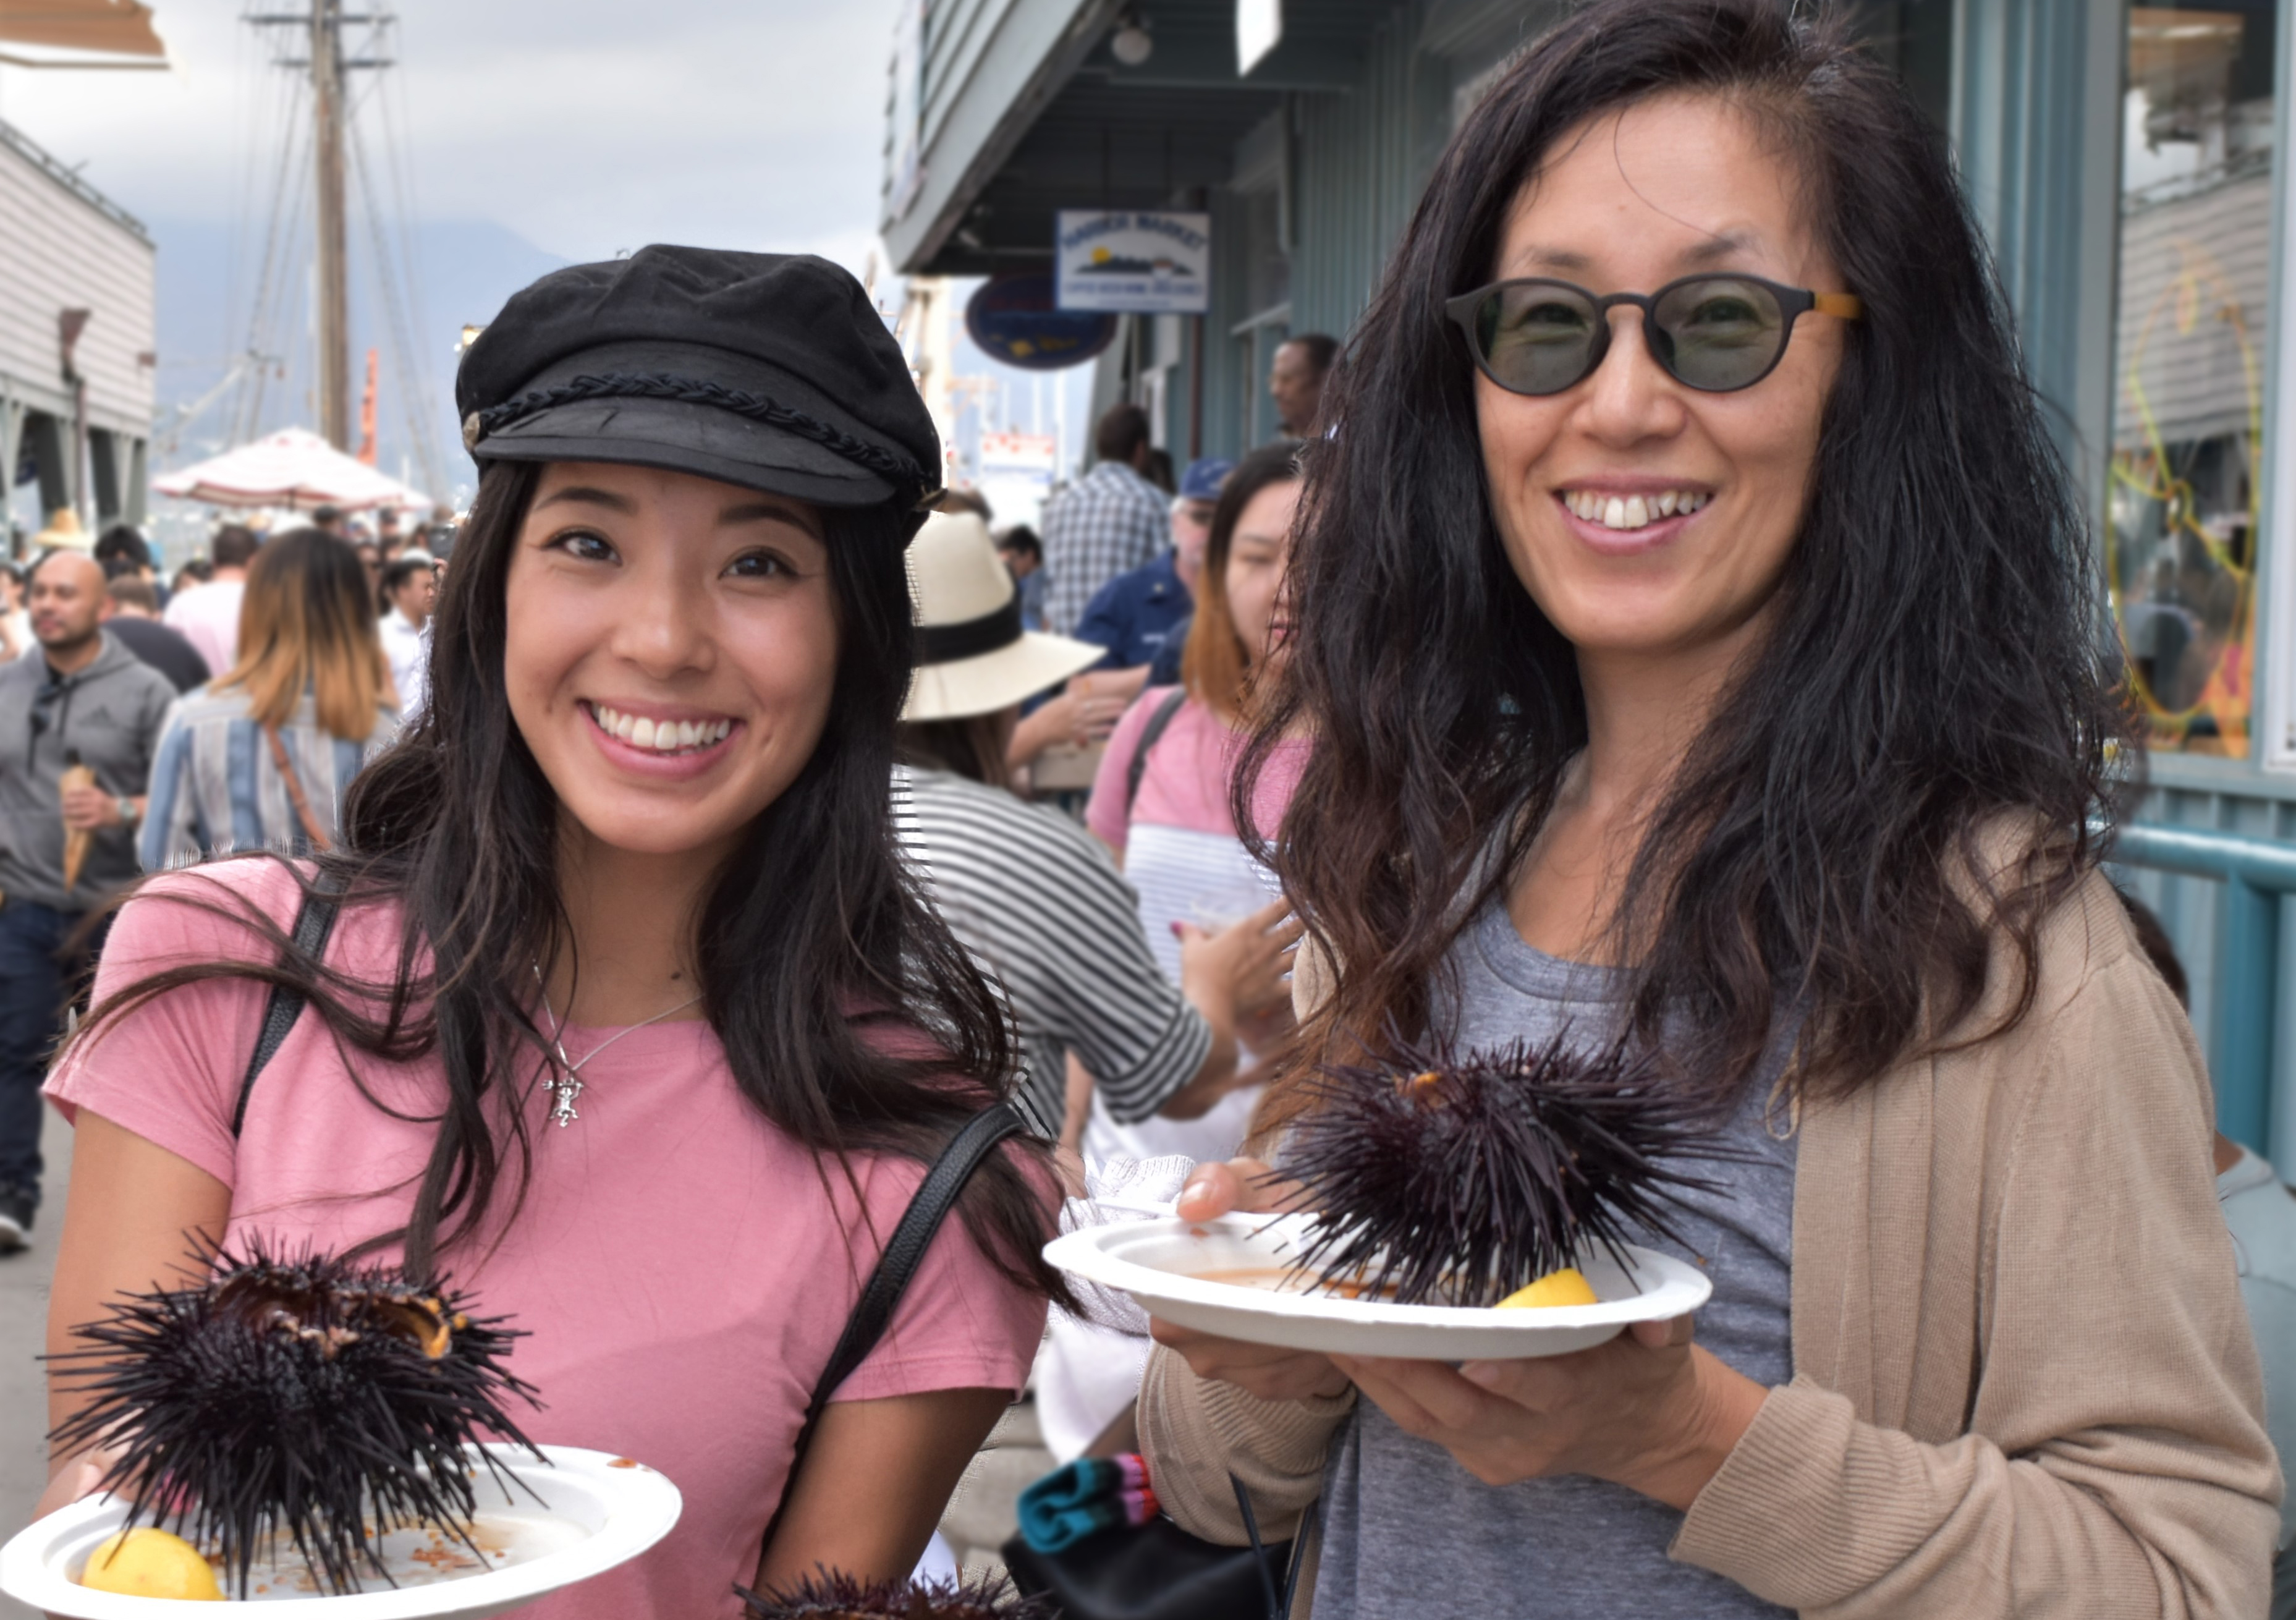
936, 1195
315, 919
1157, 724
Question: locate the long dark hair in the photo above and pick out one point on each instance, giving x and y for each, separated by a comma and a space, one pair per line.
1933, 678
847, 1014
1213, 664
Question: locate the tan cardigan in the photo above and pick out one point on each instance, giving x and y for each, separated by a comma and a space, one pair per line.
2024, 1383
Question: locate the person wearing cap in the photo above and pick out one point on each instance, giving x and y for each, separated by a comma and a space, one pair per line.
673, 1034
1141, 617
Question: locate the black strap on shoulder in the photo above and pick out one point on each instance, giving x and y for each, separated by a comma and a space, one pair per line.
936, 1195
315, 919
1157, 724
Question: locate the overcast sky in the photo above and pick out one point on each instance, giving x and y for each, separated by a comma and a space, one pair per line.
586, 126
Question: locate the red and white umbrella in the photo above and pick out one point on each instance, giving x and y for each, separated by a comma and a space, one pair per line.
293, 467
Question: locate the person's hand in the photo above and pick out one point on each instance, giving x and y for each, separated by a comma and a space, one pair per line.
87, 808
1268, 1372
1245, 963
81, 1476
1648, 1410
1100, 704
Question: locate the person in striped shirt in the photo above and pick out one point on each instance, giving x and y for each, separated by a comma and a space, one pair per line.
1032, 894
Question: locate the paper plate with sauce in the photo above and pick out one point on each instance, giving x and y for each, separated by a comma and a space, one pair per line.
1237, 1277
577, 1515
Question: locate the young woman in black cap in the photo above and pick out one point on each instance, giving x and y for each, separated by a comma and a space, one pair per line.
621, 1016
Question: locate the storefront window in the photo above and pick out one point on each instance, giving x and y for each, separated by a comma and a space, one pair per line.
2189, 364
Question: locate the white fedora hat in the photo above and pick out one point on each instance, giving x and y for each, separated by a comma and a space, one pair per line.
972, 656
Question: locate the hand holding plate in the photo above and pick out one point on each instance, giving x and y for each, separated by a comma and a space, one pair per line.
1268, 1372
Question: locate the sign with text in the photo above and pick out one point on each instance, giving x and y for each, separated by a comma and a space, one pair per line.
1127, 261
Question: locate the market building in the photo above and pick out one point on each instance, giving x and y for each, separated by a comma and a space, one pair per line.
2123, 160
76, 322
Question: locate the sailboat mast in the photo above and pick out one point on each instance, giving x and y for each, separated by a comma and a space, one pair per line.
333, 290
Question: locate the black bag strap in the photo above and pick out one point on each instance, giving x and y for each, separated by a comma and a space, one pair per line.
1279, 1602
1157, 724
315, 919
936, 1195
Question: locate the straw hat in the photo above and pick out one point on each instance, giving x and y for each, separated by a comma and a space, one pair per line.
972, 656
63, 533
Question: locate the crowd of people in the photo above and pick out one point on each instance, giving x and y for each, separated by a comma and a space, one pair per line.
1665, 627
150, 726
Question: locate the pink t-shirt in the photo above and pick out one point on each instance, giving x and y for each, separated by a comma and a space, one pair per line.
684, 1269
1185, 782
207, 617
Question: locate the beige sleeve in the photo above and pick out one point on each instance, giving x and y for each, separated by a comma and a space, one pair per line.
1195, 1432
2115, 1463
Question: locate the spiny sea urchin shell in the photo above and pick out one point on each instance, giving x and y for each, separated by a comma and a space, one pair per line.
834, 1596
297, 1394
1444, 1180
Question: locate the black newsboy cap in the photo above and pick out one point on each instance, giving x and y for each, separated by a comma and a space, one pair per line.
771, 371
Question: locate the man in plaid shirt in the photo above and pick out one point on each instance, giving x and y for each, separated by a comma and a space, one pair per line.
1108, 522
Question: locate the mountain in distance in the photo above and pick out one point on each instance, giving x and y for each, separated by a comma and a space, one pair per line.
466, 269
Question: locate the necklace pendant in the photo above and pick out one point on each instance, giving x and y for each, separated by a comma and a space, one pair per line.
564, 1090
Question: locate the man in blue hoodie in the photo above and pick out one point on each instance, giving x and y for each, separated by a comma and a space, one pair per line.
78, 699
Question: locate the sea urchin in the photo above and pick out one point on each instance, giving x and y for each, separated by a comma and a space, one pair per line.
835, 1596
1444, 1180
293, 1393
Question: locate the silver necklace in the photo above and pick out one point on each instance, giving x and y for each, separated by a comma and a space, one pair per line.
566, 1085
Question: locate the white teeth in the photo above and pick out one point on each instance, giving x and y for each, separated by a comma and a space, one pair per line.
663, 736
1631, 510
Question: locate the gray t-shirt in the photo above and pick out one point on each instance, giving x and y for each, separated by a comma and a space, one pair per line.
1407, 1531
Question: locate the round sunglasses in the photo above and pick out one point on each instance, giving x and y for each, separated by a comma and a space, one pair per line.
1715, 334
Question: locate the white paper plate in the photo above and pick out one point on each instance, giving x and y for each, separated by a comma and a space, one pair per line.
603, 1510
1172, 1267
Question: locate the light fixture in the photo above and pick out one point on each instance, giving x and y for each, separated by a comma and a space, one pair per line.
1132, 45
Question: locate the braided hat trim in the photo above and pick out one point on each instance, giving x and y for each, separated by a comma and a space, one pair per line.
661, 385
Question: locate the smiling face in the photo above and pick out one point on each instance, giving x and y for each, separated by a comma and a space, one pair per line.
671, 650
1258, 556
1643, 516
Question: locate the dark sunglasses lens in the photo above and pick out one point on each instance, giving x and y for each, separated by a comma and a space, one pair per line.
1719, 332
1537, 338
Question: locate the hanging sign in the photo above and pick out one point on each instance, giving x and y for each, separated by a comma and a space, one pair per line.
1013, 319
1129, 261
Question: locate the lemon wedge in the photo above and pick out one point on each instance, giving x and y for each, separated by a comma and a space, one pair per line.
148, 1563
1563, 1288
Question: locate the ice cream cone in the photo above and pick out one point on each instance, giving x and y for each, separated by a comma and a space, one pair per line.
75, 838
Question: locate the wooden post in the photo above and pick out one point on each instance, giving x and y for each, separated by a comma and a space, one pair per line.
333, 290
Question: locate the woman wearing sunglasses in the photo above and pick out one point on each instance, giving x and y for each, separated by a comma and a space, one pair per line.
1698, 631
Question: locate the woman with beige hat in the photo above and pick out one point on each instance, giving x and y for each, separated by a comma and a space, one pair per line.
1030, 892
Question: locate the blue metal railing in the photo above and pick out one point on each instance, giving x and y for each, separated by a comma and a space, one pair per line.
2257, 873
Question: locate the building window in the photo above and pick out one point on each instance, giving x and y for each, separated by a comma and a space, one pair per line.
2190, 363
